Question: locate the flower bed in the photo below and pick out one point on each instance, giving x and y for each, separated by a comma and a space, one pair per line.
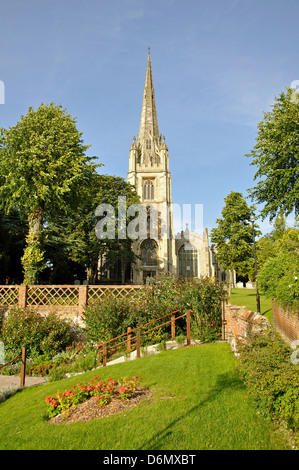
94, 396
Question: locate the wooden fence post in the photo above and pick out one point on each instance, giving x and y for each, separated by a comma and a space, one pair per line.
223, 305
138, 343
83, 298
22, 300
188, 328
129, 339
23, 368
104, 355
173, 326
100, 348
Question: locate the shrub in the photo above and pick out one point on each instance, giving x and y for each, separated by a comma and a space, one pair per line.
41, 335
104, 320
279, 276
272, 379
111, 316
203, 297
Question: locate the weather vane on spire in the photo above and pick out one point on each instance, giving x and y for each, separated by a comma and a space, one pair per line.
149, 49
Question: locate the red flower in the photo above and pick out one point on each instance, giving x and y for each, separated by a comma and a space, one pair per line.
121, 390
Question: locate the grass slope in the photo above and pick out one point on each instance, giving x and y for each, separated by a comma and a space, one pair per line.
247, 297
199, 403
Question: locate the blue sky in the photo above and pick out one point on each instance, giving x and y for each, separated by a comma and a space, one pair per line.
217, 66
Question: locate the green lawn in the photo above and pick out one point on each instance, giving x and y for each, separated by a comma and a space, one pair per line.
199, 403
247, 297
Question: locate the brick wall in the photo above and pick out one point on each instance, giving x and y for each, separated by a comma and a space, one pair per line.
286, 322
239, 324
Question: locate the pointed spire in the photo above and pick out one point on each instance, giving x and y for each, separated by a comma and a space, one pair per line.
149, 120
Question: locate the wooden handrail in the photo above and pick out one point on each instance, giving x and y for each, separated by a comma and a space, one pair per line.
144, 333
137, 337
10, 362
23, 366
138, 328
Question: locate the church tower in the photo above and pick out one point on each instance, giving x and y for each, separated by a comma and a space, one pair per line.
149, 174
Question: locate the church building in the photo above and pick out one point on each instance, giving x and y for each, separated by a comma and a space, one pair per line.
185, 254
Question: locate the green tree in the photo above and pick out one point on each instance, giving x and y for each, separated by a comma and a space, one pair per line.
43, 167
73, 236
266, 246
279, 276
233, 235
276, 157
12, 241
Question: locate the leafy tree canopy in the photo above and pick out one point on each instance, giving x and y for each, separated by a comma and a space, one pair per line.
43, 169
233, 235
275, 156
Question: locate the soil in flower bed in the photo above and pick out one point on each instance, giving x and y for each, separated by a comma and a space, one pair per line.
90, 409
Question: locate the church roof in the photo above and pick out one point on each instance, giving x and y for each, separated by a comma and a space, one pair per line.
148, 120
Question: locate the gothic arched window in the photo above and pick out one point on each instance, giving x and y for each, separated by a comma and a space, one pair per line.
149, 253
148, 190
188, 261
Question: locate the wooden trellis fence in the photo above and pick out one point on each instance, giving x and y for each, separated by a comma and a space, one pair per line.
72, 298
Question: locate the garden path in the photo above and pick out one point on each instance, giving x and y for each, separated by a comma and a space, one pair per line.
13, 381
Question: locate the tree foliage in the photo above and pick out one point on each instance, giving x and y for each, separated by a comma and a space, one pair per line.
74, 235
266, 246
43, 169
12, 241
275, 156
233, 235
279, 276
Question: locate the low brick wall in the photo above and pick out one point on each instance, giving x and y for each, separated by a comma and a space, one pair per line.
239, 324
286, 322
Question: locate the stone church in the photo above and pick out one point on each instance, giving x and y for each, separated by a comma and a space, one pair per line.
185, 254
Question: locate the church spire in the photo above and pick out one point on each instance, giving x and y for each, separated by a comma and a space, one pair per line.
149, 120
